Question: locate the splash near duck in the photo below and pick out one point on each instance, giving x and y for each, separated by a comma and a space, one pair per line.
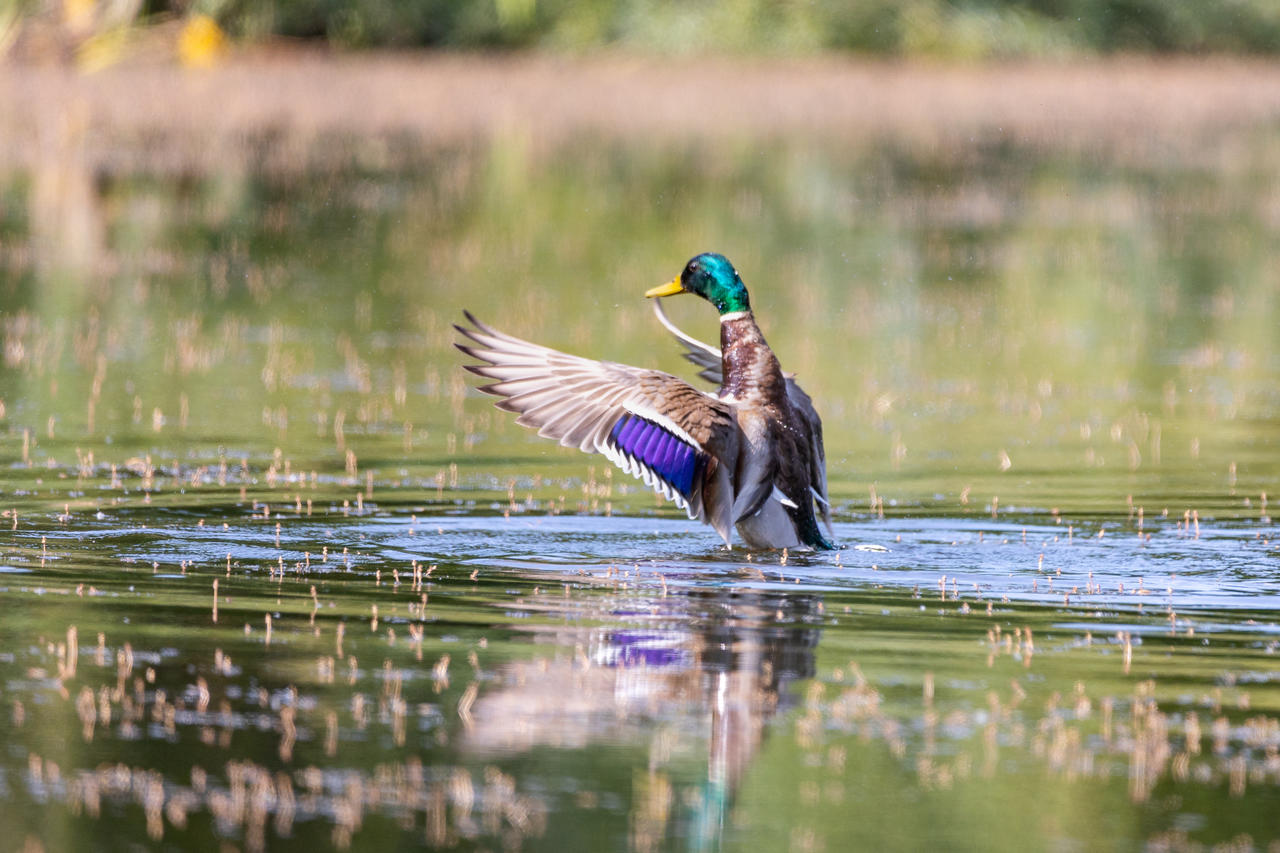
748, 457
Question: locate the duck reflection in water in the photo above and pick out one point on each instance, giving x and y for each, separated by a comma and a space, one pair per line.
704, 669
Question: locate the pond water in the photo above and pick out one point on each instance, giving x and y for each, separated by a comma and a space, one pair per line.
275, 577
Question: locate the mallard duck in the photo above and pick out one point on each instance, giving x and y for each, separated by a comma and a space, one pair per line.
749, 457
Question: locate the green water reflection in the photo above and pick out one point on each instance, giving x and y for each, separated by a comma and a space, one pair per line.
1048, 383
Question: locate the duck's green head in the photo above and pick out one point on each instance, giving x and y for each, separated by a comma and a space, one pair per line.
712, 277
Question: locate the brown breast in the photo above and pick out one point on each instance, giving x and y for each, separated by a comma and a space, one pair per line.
751, 371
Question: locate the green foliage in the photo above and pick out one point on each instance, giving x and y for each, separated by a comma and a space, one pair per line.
960, 29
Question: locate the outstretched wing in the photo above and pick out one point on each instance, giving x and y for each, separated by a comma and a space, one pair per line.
680, 441
801, 403
703, 356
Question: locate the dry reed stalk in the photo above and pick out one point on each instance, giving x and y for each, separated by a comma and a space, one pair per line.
397, 104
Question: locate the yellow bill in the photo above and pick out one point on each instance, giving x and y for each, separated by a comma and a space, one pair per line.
671, 288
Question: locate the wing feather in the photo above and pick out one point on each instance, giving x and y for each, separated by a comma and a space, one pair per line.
585, 404
801, 402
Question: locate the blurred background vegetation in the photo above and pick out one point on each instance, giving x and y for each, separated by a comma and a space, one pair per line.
944, 29
977, 28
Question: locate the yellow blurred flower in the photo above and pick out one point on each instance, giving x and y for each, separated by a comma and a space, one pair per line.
201, 42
